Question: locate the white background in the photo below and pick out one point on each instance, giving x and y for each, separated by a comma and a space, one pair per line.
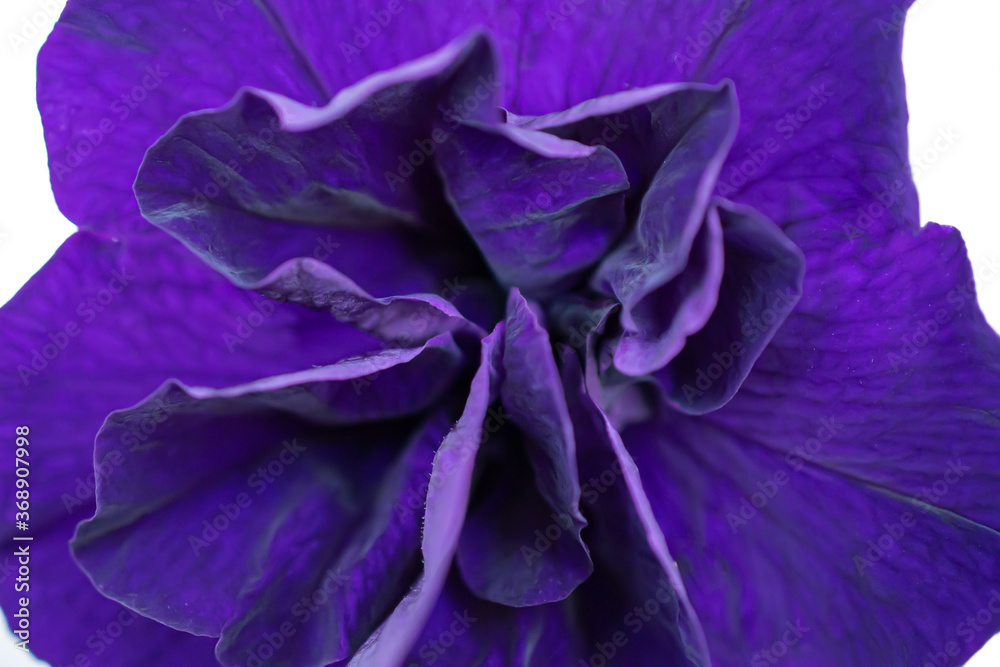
951, 56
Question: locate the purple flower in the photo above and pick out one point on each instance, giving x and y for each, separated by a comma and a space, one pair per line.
496, 333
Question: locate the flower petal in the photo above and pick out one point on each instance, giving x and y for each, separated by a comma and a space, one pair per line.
632, 609
266, 180
229, 546
335, 612
851, 472
318, 48
792, 578
679, 308
399, 320
467, 631
444, 514
531, 392
103, 324
670, 216
823, 137
112, 78
542, 210
98, 327
503, 555
641, 126
628, 544
906, 364
761, 283
106, 633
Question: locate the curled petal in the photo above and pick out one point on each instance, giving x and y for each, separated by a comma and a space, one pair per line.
637, 584
641, 126
845, 421
96, 329
679, 308
670, 216
280, 507
532, 457
444, 515
266, 180
761, 283
112, 78
542, 210
403, 320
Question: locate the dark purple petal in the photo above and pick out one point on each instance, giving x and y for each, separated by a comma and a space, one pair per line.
113, 78
541, 209
334, 611
804, 577
504, 555
879, 389
851, 473
670, 216
71, 623
311, 50
500, 555
100, 326
633, 607
640, 126
761, 284
267, 180
104, 324
277, 508
822, 140
531, 393
401, 320
467, 631
444, 514
679, 308
637, 587
906, 365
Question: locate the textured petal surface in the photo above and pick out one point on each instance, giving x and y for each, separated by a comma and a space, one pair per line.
670, 215
837, 156
875, 400
334, 610
760, 285
266, 180
278, 506
399, 320
846, 487
679, 308
114, 76
531, 392
541, 209
633, 608
467, 631
625, 529
906, 364
822, 140
104, 632
640, 126
790, 580
100, 326
444, 514
504, 555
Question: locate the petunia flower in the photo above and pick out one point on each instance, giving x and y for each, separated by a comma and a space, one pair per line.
496, 333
